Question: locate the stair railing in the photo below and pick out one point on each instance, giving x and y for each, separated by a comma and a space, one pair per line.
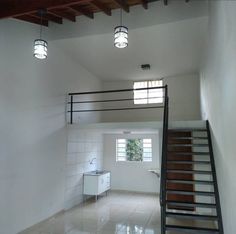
217, 195
78, 101
164, 160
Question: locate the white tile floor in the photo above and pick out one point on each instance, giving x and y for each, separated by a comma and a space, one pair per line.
119, 212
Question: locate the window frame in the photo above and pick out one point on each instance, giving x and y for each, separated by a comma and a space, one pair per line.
148, 98
130, 161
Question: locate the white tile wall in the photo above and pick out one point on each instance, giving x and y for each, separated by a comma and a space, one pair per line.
83, 145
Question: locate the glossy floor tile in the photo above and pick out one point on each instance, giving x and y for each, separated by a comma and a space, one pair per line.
119, 213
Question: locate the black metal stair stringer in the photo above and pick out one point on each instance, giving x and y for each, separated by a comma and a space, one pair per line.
217, 196
170, 205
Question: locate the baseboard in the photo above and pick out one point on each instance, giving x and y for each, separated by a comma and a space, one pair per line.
132, 191
39, 223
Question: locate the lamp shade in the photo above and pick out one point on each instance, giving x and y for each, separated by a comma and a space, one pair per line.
40, 49
121, 36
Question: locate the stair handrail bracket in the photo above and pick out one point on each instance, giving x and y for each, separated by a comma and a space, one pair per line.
164, 159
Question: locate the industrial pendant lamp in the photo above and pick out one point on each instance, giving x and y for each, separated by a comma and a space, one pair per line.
121, 34
40, 45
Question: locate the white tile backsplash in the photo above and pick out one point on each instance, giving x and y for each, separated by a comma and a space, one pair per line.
72, 158
83, 145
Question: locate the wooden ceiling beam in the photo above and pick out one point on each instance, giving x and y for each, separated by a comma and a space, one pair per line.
32, 19
65, 15
53, 18
12, 8
102, 7
122, 4
49, 17
144, 4
80, 10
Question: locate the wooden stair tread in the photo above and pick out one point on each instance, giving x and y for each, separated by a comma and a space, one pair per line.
186, 192
187, 229
189, 181
191, 204
191, 216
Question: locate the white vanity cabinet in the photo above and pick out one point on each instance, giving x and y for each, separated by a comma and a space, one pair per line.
96, 183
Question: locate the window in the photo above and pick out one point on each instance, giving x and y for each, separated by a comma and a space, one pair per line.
148, 96
134, 150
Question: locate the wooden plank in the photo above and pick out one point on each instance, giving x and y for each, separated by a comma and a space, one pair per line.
32, 19
144, 4
174, 175
122, 4
102, 7
65, 15
12, 8
49, 17
53, 18
80, 10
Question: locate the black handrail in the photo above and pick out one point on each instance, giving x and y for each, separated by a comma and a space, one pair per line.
113, 100
164, 160
217, 195
73, 102
115, 91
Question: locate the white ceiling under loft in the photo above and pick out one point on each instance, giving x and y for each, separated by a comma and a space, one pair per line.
137, 127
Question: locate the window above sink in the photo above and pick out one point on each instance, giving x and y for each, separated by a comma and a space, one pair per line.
135, 150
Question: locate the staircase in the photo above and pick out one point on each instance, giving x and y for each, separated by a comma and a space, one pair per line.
189, 197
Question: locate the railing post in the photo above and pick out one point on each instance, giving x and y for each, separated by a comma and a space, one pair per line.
217, 195
163, 162
71, 109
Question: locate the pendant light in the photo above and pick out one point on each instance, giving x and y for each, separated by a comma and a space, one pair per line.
121, 34
40, 45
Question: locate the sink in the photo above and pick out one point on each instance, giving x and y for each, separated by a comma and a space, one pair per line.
97, 172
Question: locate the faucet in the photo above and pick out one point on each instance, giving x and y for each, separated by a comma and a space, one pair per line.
91, 161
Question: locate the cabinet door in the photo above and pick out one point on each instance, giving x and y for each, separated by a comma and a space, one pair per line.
90, 185
108, 181
101, 184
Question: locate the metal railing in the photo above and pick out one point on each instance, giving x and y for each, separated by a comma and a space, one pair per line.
164, 160
215, 184
72, 102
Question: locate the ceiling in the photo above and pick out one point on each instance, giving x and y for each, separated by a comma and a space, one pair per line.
167, 34
173, 48
57, 10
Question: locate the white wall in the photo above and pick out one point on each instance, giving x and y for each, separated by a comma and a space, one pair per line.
218, 97
32, 127
131, 176
83, 147
184, 101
